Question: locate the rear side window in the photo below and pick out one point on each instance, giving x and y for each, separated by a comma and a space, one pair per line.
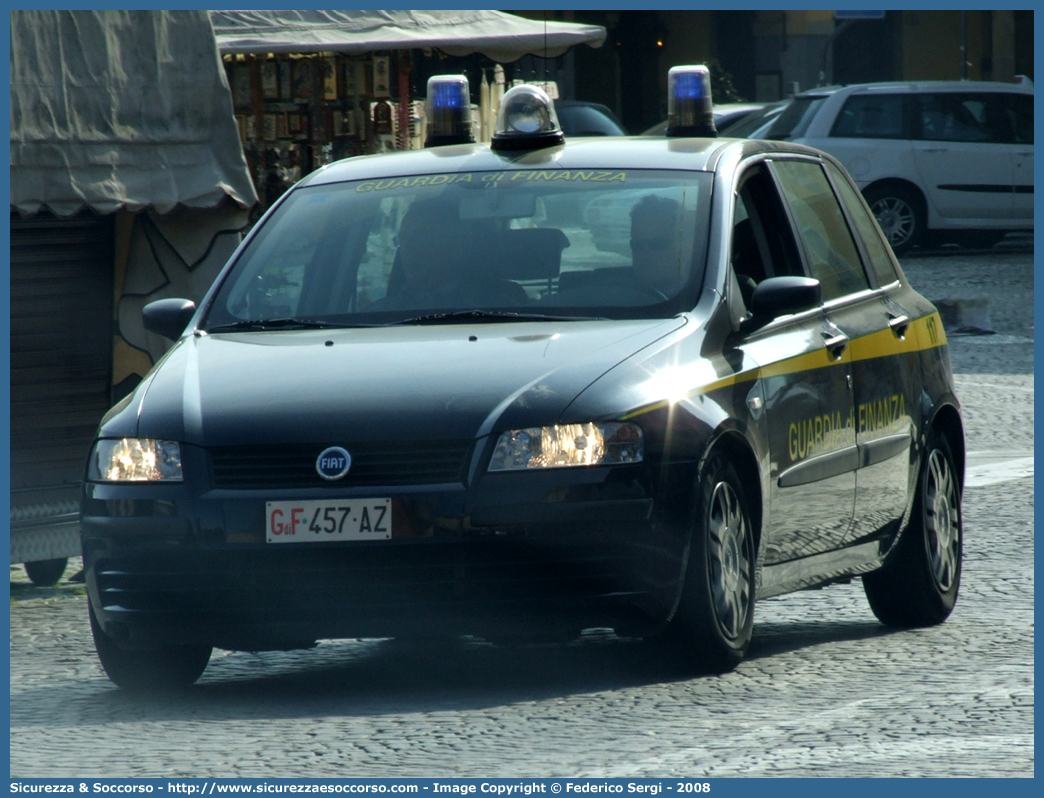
822, 228
872, 116
961, 117
866, 227
1017, 110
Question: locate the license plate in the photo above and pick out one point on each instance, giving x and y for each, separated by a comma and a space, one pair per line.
325, 520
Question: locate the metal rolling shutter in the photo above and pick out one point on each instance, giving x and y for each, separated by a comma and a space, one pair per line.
61, 358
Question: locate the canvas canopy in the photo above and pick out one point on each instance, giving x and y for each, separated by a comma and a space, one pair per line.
121, 109
502, 37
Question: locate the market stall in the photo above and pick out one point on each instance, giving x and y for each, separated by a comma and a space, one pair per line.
310, 87
127, 184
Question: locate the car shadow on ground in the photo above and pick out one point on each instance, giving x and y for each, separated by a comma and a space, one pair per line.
359, 678
774, 639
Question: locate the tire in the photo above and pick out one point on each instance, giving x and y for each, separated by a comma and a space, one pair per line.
715, 618
919, 582
164, 668
900, 213
45, 573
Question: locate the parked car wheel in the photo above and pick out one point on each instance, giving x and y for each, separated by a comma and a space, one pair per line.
45, 573
715, 618
919, 583
167, 667
900, 213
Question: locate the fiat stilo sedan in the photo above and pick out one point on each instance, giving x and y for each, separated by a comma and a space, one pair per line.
424, 398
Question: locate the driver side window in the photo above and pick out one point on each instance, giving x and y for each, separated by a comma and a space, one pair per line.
762, 244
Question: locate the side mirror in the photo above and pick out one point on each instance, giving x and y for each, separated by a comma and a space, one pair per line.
168, 317
778, 296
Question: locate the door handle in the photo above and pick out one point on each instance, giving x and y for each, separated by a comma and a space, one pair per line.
836, 344
935, 149
899, 325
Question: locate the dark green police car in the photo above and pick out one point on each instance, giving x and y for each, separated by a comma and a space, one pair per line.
522, 390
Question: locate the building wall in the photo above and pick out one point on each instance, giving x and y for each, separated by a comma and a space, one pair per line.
160, 256
865, 50
733, 46
1003, 37
932, 44
767, 54
1023, 43
790, 51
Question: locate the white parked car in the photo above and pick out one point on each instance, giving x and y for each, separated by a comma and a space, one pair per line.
937, 161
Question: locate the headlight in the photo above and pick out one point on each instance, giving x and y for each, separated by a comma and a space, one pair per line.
568, 445
135, 460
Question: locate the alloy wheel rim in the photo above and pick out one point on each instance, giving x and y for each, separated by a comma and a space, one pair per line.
942, 521
896, 219
729, 560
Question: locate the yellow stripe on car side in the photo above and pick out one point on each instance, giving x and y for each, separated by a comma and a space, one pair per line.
922, 334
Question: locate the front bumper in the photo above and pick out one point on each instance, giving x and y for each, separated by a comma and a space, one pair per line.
514, 554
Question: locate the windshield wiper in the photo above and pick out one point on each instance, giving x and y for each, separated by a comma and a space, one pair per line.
452, 317
288, 323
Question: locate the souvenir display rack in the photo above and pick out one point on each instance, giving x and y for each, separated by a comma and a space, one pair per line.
296, 113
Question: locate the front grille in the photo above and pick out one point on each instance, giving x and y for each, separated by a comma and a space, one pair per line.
373, 463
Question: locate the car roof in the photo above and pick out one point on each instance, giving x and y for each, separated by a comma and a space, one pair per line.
620, 152
918, 86
729, 112
575, 108
731, 108
584, 104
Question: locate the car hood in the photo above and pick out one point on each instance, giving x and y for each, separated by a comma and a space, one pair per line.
402, 383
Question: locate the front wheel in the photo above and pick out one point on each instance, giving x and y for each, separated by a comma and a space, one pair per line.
715, 618
919, 582
163, 668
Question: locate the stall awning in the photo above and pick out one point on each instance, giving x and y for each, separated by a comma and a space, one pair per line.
502, 37
121, 109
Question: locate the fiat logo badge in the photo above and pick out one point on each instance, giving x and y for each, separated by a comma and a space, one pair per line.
333, 463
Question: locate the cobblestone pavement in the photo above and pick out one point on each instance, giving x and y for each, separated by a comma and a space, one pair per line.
826, 690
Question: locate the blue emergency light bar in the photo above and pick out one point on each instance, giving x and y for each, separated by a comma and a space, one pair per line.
690, 109
448, 111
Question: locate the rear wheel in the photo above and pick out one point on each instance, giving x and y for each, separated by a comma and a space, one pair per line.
899, 212
715, 618
162, 668
918, 584
45, 573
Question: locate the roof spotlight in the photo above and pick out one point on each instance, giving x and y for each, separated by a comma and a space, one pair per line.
526, 120
448, 109
689, 106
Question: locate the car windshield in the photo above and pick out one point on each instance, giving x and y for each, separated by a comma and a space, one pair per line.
595, 243
792, 122
743, 128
